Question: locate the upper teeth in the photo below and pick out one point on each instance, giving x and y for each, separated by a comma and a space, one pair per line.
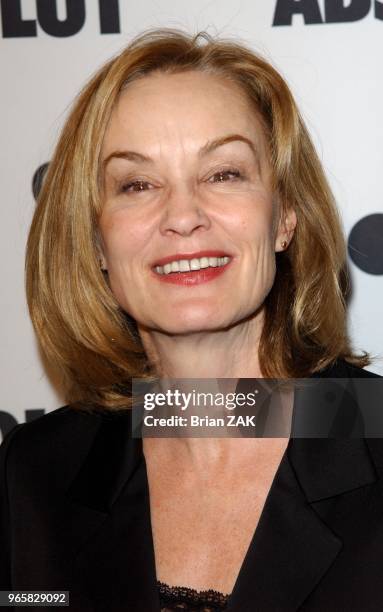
185, 265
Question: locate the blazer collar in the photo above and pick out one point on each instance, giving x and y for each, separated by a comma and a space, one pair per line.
291, 549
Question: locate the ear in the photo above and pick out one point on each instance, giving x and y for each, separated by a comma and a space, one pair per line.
286, 228
102, 261
100, 254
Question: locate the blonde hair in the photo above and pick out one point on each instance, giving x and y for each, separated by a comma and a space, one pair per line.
80, 326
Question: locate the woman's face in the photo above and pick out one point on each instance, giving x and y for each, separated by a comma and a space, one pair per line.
187, 176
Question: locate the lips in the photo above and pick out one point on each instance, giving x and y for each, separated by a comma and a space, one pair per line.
196, 255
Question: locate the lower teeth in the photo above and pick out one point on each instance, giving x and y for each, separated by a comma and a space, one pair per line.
188, 271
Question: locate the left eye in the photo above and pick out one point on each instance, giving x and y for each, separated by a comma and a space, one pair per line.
223, 176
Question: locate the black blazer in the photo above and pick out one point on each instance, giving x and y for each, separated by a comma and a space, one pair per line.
75, 516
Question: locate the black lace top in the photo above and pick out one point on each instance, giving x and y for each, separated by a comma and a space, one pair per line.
184, 598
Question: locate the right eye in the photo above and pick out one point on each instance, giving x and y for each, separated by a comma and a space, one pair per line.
134, 187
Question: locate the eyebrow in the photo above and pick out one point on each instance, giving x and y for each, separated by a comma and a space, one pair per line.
210, 146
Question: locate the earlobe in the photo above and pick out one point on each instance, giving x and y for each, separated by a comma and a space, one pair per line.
102, 263
286, 230
101, 260
100, 254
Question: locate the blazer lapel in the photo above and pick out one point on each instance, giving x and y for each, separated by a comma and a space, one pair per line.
290, 552
293, 547
116, 566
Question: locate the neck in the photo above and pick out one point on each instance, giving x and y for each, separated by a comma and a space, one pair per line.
230, 353
226, 353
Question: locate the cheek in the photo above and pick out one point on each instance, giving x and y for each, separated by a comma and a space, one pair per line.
257, 226
121, 240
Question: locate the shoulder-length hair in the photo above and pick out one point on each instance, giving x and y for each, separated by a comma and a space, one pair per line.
80, 326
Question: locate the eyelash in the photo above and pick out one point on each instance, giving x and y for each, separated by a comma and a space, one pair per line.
237, 176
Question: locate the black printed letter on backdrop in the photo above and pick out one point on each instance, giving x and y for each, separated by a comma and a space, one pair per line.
378, 9
47, 17
38, 179
7, 422
13, 24
365, 244
336, 12
109, 17
285, 9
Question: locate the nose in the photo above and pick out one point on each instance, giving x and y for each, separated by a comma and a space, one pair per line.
183, 213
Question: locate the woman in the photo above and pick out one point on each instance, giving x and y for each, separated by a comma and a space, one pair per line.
185, 229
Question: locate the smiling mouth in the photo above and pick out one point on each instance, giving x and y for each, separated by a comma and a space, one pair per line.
192, 265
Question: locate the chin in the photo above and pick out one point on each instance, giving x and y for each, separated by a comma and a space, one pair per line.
184, 324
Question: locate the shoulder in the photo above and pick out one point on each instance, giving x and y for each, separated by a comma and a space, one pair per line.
51, 444
344, 369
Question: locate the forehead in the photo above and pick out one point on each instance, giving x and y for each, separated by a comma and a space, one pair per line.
184, 109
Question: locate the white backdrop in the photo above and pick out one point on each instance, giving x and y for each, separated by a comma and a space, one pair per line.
334, 69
